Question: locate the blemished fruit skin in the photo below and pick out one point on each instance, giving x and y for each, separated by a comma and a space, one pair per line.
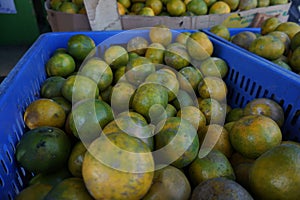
169, 182
181, 138
276, 173
43, 149
118, 166
252, 135
72, 188
220, 188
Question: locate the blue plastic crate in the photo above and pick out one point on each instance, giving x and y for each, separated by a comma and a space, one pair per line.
247, 78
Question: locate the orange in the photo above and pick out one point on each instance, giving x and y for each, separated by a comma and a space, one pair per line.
219, 7
70, 188
160, 34
137, 45
266, 107
295, 42
213, 87
199, 46
51, 87
189, 78
125, 3
220, 188
76, 158
213, 111
176, 7
165, 79
43, 149
149, 98
194, 116
211, 165
214, 66
44, 112
78, 87
295, 60
155, 52
121, 9
276, 173
182, 37
233, 4
116, 56
116, 155
177, 142
176, 56
253, 135
247, 4
99, 71
269, 25
36, 191
138, 69
122, 92
169, 183
146, 11
61, 64
197, 7
268, 47
155, 5
290, 28
80, 45
214, 136
136, 7
68, 7
221, 31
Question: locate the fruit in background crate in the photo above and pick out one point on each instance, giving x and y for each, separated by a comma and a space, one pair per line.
219, 7
197, 7
263, 3
176, 7
247, 4
295, 60
268, 47
290, 28
220, 188
284, 39
68, 7
266, 107
276, 173
243, 39
221, 31
269, 25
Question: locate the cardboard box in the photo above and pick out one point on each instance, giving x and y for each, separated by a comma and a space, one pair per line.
60, 21
103, 15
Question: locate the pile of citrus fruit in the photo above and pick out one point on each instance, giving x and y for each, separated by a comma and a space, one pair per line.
148, 119
68, 6
189, 7
277, 41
